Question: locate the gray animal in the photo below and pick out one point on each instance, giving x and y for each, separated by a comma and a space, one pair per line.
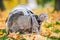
22, 20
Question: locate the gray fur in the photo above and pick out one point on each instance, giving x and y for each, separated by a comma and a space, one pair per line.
23, 20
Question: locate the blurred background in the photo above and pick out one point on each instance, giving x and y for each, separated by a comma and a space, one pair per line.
34, 4
52, 7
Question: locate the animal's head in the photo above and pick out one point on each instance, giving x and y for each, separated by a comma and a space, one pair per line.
43, 16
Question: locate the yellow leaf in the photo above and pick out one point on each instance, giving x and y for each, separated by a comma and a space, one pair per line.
1, 33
